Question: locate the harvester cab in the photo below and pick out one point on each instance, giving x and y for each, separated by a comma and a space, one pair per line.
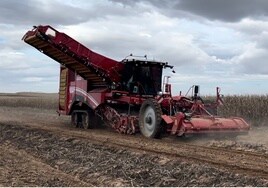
143, 77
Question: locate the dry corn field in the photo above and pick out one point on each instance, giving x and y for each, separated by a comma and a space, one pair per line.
40, 148
32, 100
254, 108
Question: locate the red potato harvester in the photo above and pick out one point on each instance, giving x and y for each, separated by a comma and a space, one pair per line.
127, 95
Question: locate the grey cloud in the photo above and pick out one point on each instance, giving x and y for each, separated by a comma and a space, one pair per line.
263, 41
223, 10
182, 53
117, 49
21, 82
11, 37
250, 27
126, 2
255, 65
252, 61
31, 12
52, 12
20, 71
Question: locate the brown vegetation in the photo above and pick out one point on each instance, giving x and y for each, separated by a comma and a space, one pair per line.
33, 100
253, 108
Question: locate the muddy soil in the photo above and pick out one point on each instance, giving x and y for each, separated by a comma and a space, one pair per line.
32, 156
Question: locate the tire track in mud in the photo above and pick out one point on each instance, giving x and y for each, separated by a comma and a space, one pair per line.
101, 162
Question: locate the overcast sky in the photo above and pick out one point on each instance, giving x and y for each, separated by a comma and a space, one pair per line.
210, 42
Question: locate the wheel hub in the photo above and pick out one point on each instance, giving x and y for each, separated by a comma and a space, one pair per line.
148, 120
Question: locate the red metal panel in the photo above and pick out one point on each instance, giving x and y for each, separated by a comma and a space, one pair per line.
205, 124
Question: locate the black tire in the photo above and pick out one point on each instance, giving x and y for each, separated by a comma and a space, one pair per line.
74, 119
150, 118
84, 119
89, 120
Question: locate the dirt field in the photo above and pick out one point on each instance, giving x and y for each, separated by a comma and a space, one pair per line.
40, 148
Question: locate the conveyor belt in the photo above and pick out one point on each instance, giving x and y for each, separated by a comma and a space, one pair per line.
93, 67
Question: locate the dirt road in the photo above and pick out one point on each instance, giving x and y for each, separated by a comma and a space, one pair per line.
40, 148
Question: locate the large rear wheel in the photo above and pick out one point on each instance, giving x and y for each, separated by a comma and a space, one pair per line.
150, 118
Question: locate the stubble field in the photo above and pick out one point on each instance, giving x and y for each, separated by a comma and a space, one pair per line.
40, 148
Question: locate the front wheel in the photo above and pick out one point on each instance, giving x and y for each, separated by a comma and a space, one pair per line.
150, 118
84, 119
75, 119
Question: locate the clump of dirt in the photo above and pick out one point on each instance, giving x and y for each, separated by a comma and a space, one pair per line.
238, 145
109, 166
